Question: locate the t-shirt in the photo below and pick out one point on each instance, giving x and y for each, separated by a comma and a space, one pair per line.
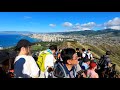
70, 73
107, 61
25, 67
83, 54
78, 68
92, 74
84, 66
89, 56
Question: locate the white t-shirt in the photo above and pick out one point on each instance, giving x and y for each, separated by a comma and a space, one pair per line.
89, 55
49, 62
83, 54
26, 67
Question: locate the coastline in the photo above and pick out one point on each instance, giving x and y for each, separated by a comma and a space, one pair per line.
8, 42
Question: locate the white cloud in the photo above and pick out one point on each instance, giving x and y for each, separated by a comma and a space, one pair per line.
85, 29
27, 17
67, 24
114, 22
89, 25
76, 26
115, 27
111, 24
86, 26
52, 25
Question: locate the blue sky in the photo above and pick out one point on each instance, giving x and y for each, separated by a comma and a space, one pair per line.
58, 21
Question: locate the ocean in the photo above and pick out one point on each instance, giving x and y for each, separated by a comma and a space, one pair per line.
9, 40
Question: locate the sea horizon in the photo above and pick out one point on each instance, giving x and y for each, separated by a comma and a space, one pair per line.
10, 40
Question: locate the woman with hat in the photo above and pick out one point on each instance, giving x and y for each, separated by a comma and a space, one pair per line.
91, 71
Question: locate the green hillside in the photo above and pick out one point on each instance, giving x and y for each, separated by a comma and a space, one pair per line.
92, 32
97, 51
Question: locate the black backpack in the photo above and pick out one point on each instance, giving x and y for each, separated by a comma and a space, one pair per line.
101, 62
86, 55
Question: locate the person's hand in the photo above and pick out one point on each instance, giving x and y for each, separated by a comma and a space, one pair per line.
50, 69
83, 74
109, 65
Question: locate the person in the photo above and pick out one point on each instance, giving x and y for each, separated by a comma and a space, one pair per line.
82, 56
90, 56
78, 53
4, 64
58, 55
91, 71
85, 64
68, 68
24, 64
83, 53
107, 60
46, 65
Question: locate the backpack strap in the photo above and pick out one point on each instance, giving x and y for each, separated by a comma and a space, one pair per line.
68, 72
61, 66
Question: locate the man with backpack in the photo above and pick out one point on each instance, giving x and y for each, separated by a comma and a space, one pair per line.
67, 69
105, 61
46, 60
105, 64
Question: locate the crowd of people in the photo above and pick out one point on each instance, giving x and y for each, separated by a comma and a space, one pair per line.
56, 63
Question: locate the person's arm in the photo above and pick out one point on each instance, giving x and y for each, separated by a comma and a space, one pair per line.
49, 64
96, 75
91, 56
109, 64
84, 75
83, 55
19, 68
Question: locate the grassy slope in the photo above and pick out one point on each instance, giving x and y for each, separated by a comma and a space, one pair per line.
97, 51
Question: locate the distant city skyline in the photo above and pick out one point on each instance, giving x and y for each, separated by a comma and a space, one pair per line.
58, 21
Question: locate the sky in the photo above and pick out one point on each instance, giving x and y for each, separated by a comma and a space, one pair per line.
58, 21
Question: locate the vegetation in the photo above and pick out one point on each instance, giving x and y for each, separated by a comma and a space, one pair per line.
92, 32
96, 50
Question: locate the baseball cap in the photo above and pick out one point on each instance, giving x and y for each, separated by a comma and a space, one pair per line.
22, 43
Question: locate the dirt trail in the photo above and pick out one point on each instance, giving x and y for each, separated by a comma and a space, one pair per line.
69, 45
